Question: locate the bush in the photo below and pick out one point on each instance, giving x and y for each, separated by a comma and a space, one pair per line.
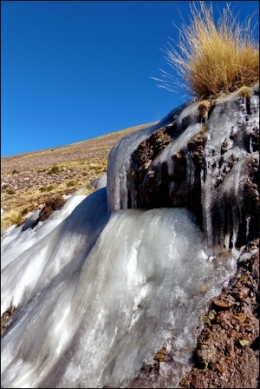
10, 191
50, 187
15, 171
71, 183
245, 92
54, 170
213, 60
11, 217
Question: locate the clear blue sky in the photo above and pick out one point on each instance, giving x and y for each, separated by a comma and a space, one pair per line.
75, 70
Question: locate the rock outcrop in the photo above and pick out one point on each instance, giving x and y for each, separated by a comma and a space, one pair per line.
50, 206
210, 166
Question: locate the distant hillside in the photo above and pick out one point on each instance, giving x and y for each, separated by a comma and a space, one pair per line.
29, 179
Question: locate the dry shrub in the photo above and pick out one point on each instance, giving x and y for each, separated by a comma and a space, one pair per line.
204, 107
213, 60
204, 129
245, 92
11, 217
85, 190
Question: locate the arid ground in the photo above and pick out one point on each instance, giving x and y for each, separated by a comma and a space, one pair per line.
29, 179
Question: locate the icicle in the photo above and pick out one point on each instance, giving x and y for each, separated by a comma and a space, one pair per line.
222, 219
251, 145
206, 201
235, 221
228, 230
190, 169
172, 188
248, 218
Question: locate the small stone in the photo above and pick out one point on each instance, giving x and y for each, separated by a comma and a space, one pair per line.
243, 342
240, 318
221, 304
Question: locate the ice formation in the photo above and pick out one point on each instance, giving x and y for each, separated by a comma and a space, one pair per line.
98, 288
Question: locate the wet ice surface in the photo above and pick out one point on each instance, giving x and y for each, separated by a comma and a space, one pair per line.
229, 122
94, 318
100, 288
17, 240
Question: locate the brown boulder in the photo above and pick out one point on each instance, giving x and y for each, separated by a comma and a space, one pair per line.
51, 205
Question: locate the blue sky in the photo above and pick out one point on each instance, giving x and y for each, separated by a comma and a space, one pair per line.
75, 70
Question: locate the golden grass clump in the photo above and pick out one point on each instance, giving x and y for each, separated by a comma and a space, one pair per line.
204, 107
85, 190
204, 129
244, 91
11, 217
213, 60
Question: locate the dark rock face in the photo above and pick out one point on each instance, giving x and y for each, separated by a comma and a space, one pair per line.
214, 173
148, 193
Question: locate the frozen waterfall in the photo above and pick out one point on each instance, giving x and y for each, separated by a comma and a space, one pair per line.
98, 289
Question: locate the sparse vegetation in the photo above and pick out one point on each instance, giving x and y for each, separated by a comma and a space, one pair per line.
54, 170
85, 190
71, 183
66, 158
204, 129
41, 170
10, 191
46, 188
11, 217
97, 167
15, 171
50, 187
213, 60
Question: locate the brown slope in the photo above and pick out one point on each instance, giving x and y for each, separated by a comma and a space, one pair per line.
29, 179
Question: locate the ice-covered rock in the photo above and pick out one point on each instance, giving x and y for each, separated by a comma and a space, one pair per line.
118, 277
209, 166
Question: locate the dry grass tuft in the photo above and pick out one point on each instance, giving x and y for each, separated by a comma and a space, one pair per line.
204, 107
204, 129
245, 92
213, 60
86, 190
11, 217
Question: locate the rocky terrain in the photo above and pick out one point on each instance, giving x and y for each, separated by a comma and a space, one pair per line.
28, 180
227, 352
